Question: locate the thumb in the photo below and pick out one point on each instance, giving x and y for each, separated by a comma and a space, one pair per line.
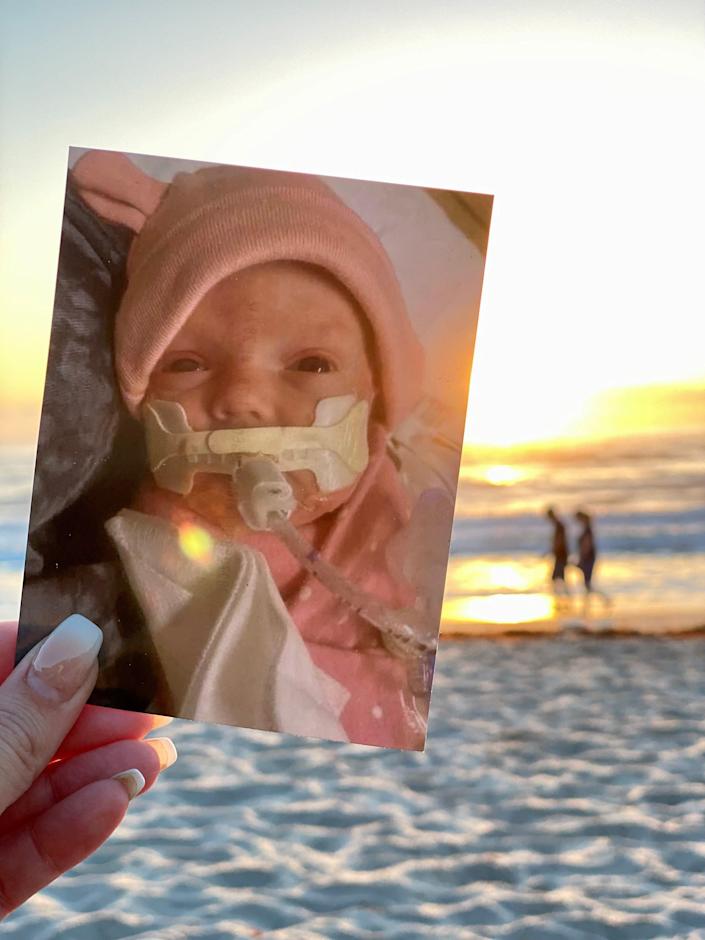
41, 700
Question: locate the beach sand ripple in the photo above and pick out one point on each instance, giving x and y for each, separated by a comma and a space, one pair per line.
562, 795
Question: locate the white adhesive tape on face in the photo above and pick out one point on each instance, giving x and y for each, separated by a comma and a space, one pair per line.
334, 448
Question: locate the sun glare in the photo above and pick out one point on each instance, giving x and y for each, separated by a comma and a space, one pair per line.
470, 575
496, 474
503, 475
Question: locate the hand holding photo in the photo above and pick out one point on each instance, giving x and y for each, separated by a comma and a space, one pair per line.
251, 438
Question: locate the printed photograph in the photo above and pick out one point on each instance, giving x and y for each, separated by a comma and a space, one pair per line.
250, 440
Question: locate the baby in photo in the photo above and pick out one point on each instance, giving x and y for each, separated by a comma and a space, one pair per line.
277, 544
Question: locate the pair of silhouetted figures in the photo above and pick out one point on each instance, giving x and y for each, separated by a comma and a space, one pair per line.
586, 557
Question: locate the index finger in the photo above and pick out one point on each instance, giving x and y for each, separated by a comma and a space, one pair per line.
97, 725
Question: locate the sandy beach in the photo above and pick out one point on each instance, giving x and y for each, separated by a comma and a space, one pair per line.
561, 795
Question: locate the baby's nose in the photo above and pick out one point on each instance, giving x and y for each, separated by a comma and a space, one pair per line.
246, 400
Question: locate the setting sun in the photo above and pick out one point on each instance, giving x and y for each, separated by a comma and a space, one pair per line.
502, 475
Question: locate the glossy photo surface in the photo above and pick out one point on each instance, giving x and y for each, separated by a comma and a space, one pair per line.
250, 440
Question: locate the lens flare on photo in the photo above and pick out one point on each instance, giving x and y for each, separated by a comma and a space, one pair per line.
196, 543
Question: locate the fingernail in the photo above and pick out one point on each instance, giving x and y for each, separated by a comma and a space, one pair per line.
166, 752
65, 659
160, 721
132, 781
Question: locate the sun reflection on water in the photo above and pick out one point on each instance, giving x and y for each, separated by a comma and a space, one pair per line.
488, 575
499, 608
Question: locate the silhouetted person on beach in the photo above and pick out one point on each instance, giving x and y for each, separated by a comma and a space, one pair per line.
587, 554
559, 550
587, 551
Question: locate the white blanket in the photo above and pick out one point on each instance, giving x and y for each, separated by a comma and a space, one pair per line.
228, 647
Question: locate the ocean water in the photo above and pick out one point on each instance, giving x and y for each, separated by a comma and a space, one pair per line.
647, 499
561, 795
16, 467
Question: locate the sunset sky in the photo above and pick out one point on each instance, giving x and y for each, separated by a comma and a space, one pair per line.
584, 412
587, 130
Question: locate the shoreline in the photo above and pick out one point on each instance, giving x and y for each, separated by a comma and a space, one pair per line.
678, 633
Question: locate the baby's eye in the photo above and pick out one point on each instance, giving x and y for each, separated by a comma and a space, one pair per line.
184, 364
316, 364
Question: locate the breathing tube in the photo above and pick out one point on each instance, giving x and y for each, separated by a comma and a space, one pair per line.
334, 448
265, 501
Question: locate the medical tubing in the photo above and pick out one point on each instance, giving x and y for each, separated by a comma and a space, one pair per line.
265, 501
392, 624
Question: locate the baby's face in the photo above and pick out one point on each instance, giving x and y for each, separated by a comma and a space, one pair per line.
261, 349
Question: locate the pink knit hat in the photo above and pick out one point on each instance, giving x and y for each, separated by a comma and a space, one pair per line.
210, 224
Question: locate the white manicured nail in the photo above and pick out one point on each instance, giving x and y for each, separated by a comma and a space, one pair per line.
132, 781
166, 752
65, 659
